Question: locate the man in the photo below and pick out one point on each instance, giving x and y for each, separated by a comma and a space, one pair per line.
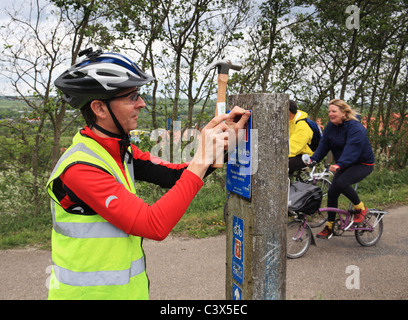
98, 221
300, 135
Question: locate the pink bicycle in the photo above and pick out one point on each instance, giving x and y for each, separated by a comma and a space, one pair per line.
367, 233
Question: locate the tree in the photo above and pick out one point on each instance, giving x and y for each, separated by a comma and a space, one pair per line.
36, 48
270, 62
198, 32
139, 29
29, 58
176, 40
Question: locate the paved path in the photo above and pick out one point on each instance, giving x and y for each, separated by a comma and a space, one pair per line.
322, 272
181, 268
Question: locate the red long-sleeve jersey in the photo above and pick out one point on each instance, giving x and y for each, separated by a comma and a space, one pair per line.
84, 189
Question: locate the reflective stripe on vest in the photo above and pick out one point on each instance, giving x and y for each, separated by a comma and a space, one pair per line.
99, 278
87, 229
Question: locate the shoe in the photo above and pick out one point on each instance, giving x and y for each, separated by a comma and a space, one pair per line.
326, 233
360, 215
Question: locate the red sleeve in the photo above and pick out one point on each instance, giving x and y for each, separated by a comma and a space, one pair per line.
114, 203
147, 156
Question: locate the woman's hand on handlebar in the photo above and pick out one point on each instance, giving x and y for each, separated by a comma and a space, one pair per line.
334, 168
308, 161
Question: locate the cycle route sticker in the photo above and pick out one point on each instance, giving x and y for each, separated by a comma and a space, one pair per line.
236, 292
238, 249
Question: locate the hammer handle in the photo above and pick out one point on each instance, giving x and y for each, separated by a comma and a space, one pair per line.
222, 94
220, 108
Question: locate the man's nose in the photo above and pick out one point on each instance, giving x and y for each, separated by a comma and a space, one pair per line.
140, 104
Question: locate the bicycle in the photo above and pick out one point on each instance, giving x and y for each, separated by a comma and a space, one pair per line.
299, 234
367, 233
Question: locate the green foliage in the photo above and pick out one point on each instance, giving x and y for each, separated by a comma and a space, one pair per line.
19, 140
383, 180
19, 225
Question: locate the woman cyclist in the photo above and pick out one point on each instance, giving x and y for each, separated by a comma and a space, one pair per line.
347, 139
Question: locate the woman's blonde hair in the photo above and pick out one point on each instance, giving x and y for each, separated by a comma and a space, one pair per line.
344, 107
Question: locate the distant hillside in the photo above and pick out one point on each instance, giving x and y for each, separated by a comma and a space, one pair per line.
12, 107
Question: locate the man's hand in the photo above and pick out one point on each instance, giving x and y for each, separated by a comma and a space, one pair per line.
212, 142
216, 137
238, 118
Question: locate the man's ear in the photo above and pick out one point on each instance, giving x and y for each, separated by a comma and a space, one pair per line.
99, 108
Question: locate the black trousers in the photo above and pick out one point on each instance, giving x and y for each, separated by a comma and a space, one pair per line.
342, 184
296, 163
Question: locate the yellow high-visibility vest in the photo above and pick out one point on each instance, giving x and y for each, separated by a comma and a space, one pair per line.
93, 259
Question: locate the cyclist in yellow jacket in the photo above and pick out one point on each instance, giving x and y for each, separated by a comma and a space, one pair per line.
300, 135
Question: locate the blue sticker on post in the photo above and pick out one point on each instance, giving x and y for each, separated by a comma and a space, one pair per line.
239, 164
238, 249
236, 292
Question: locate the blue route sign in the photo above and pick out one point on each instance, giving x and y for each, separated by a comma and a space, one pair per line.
238, 249
239, 165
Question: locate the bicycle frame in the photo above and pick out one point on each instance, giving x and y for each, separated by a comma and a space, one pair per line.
346, 219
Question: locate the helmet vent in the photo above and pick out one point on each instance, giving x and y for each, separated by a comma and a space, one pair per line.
106, 74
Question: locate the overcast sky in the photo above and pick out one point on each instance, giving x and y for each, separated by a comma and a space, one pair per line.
23, 8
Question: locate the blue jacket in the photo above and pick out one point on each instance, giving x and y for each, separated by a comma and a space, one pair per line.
348, 142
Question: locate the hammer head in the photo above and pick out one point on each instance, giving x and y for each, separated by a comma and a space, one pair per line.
223, 66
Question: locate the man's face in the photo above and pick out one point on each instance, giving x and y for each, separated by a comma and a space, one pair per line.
127, 107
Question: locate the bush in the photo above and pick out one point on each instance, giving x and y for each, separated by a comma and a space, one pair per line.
19, 226
383, 180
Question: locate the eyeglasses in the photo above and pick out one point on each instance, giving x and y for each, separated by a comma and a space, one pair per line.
132, 96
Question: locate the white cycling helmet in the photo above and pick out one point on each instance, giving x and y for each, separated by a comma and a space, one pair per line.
100, 76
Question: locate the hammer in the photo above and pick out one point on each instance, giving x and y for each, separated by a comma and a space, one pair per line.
223, 67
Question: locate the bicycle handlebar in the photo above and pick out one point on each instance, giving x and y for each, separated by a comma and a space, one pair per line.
311, 164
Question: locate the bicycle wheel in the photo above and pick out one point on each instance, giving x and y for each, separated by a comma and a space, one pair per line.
319, 218
368, 238
298, 239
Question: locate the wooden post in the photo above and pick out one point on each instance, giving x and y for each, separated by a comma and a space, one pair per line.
263, 217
